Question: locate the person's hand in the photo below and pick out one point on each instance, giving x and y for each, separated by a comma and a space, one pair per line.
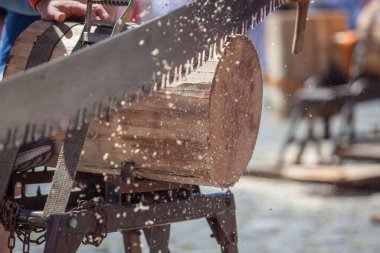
60, 10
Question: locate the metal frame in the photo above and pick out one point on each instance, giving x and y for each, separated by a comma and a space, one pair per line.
176, 203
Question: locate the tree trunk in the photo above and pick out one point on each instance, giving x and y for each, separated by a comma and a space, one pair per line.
202, 130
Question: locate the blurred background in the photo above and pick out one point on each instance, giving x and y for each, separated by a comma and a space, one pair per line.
314, 179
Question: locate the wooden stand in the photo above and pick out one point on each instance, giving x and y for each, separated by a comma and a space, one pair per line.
138, 205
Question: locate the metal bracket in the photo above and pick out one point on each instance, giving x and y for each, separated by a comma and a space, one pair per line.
67, 165
88, 37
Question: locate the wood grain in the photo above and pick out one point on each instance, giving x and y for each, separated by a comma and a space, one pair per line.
201, 131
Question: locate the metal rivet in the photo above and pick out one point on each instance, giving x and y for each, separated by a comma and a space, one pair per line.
73, 223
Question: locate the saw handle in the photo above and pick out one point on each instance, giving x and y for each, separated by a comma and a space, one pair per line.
299, 32
111, 2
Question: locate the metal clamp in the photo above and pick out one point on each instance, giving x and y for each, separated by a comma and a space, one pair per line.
119, 25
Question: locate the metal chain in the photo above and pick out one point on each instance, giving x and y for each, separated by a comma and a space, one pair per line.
9, 212
24, 232
96, 237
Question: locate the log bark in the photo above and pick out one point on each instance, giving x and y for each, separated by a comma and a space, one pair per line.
202, 130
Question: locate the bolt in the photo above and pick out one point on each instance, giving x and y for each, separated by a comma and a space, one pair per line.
73, 223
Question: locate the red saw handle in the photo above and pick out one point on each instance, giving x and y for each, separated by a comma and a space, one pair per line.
112, 2
299, 33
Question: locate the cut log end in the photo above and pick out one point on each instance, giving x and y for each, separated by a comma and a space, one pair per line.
233, 118
235, 111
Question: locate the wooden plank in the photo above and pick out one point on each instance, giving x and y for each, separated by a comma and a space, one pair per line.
366, 151
331, 174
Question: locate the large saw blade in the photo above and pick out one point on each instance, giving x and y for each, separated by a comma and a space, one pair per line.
34, 102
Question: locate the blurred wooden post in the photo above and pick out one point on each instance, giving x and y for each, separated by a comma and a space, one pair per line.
287, 72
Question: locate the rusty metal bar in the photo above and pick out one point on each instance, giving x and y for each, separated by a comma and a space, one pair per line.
158, 238
132, 242
138, 216
36, 177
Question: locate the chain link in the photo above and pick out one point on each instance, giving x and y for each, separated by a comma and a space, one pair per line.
24, 232
11, 241
10, 210
8, 217
96, 237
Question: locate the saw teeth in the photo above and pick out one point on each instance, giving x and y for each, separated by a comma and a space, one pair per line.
215, 49
243, 28
82, 117
97, 110
27, 134
170, 78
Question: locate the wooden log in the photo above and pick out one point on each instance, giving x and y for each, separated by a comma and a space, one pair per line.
201, 130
